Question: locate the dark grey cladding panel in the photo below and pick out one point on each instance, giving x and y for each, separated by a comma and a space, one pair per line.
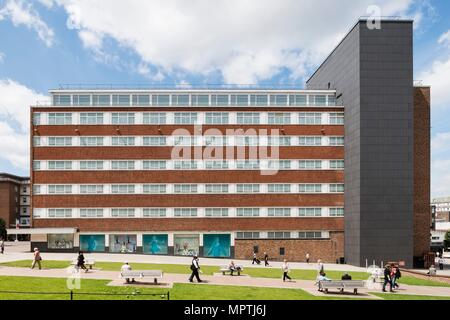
374, 72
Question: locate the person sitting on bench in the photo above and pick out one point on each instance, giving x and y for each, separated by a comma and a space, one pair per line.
127, 267
233, 267
346, 276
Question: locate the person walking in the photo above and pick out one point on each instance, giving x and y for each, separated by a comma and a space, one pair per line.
36, 259
195, 267
80, 262
266, 259
285, 268
255, 259
398, 275
307, 257
440, 262
387, 278
2, 246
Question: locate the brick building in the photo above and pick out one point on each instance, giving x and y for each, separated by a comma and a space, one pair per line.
106, 177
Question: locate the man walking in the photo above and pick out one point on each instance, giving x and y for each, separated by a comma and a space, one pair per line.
2, 245
387, 278
36, 258
307, 257
285, 268
195, 267
266, 259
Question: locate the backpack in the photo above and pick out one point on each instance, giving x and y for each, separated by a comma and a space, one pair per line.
192, 267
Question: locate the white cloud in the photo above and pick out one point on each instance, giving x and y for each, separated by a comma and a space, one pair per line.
22, 13
438, 77
15, 100
245, 40
2, 57
444, 39
47, 3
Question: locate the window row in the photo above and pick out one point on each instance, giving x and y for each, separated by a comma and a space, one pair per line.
187, 99
217, 188
186, 212
188, 118
268, 165
178, 140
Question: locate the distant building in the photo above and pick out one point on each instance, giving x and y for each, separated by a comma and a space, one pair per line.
15, 200
442, 208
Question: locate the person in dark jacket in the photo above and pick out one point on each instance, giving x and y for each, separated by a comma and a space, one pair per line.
80, 261
387, 278
195, 267
266, 259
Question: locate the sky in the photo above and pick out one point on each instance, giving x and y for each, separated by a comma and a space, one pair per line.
47, 43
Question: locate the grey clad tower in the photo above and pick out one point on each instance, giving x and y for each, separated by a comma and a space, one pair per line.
372, 71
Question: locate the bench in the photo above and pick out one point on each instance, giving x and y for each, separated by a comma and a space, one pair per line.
226, 269
132, 274
87, 262
341, 285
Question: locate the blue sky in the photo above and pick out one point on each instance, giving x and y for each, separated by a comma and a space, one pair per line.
45, 43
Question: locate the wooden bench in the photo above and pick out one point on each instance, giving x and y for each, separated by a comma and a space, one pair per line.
132, 274
226, 269
87, 262
341, 285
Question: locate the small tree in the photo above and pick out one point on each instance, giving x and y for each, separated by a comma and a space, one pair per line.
2, 229
447, 239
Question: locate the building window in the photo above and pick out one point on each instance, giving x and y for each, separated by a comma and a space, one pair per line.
278, 100
123, 141
310, 235
279, 212
309, 141
216, 212
216, 118
91, 165
309, 188
279, 188
185, 212
60, 165
122, 165
217, 141
318, 100
200, 100
60, 213
219, 100
91, 141
36, 189
247, 212
154, 212
180, 100
154, 165
337, 188
60, 241
91, 118
248, 118
154, 141
61, 100
160, 99
248, 164
59, 118
279, 141
185, 188
258, 99
216, 188
336, 141
331, 100
247, 140
184, 165
310, 212
91, 213
310, 164
185, 141
298, 100
310, 118
279, 235
123, 189
216, 165
123, 213
336, 212
36, 165
239, 100
247, 188
120, 99
154, 118
81, 100
123, 118
59, 141
59, 189
337, 118
91, 189
185, 117
36, 141
141, 100
337, 164
154, 188
248, 235
101, 100
36, 119
279, 165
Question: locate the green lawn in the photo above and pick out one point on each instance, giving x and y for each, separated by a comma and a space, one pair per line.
178, 292
262, 272
395, 296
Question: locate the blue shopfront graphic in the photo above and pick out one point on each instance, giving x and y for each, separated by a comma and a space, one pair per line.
216, 245
92, 242
155, 243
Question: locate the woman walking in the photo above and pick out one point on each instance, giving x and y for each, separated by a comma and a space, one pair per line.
285, 268
36, 259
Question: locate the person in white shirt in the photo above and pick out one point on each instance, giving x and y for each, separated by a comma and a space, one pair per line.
307, 258
195, 267
320, 267
285, 268
127, 267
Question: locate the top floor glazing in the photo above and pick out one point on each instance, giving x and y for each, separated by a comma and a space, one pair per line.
194, 98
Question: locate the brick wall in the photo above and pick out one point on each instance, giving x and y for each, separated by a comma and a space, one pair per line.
8, 203
295, 250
